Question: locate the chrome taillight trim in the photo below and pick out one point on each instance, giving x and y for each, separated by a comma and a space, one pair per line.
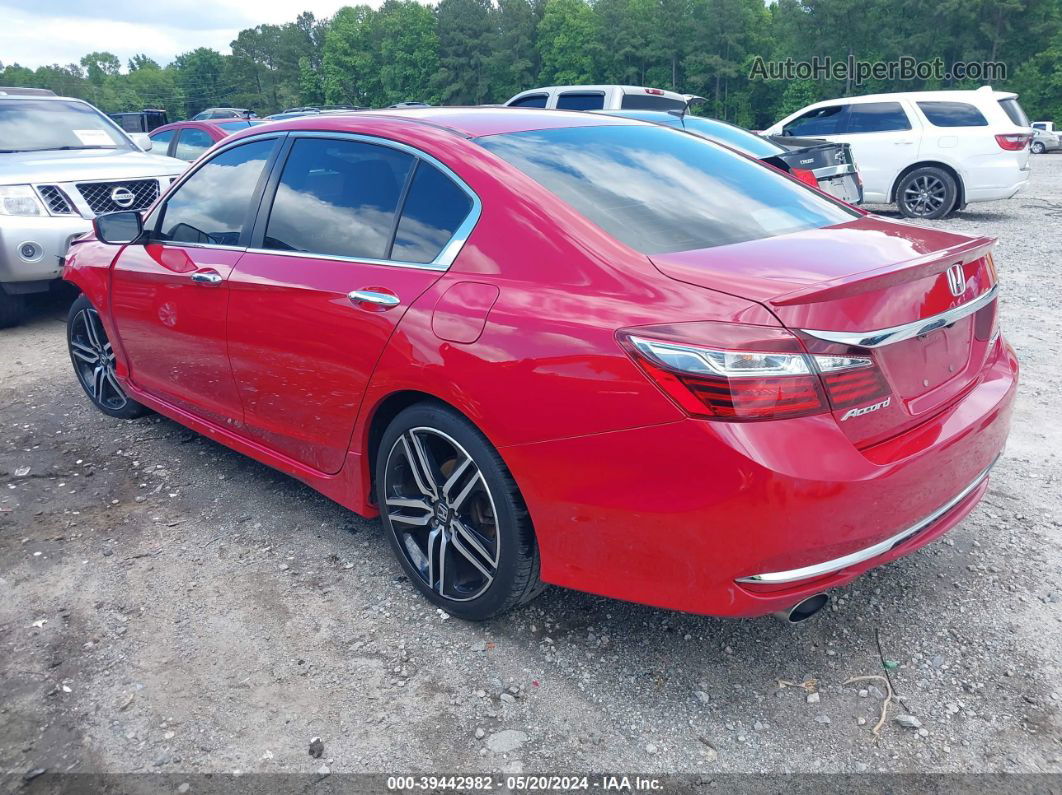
889, 336
830, 566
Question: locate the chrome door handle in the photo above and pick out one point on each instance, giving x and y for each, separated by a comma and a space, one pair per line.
207, 277
373, 297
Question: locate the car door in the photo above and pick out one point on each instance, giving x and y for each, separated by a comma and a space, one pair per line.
169, 294
351, 232
885, 139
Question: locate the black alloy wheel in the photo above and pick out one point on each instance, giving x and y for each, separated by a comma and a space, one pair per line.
93, 359
454, 515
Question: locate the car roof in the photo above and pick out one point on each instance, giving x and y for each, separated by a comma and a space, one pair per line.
954, 95
469, 122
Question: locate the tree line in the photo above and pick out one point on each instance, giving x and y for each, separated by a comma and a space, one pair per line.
471, 52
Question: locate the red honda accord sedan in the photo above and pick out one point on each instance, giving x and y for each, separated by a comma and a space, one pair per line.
554, 347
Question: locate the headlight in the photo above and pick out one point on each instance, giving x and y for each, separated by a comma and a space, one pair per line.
19, 200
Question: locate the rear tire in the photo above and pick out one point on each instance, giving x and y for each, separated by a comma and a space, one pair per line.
454, 515
928, 192
12, 309
93, 360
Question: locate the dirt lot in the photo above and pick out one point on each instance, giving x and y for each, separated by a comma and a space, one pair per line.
167, 605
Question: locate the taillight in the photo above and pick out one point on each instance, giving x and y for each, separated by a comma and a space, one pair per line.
753, 373
805, 176
1013, 142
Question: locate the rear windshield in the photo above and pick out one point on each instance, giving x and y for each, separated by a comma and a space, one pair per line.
644, 101
657, 189
1014, 111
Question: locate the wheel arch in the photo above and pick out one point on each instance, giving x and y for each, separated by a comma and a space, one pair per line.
389, 407
960, 198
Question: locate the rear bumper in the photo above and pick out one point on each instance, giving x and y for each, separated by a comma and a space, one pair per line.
996, 177
682, 515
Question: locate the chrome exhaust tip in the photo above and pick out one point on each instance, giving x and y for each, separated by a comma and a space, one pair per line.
804, 609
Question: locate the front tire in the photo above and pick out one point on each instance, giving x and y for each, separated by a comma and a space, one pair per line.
927, 192
454, 515
1038, 148
93, 360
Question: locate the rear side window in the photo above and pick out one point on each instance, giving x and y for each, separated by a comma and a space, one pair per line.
657, 189
530, 101
212, 205
1014, 111
820, 121
338, 198
645, 101
433, 210
868, 117
952, 114
581, 100
192, 142
160, 142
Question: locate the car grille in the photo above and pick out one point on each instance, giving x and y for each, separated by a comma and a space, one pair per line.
56, 200
100, 195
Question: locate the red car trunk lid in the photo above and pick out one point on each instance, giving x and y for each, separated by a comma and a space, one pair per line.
848, 285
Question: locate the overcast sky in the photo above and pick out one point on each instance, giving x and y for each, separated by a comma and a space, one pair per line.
37, 32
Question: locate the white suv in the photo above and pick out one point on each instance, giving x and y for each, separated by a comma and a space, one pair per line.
599, 98
930, 152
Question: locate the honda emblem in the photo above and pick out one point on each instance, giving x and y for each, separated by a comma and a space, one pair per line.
956, 280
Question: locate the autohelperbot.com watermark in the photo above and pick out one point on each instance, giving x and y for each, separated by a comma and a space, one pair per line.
858, 72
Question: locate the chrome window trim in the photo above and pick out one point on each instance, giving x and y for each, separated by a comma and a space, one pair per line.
889, 336
830, 566
447, 254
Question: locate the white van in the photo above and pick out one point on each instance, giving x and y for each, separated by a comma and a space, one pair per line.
930, 152
599, 98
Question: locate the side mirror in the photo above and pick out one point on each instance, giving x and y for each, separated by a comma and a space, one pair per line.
118, 228
142, 141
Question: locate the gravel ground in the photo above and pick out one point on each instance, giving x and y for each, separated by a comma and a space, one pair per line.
167, 605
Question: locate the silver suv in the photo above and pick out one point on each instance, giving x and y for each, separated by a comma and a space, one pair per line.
62, 163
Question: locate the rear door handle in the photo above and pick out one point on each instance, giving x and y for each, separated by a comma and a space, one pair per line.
385, 300
210, 278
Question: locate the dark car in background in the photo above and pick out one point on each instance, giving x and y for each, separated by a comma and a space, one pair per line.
186, 140
821, 164
141, 121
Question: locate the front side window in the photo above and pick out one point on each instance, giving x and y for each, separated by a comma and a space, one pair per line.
338, 198
192, 142
581, 100
211, 207
38, 125
820, 121
952, 114
868, 117
433, 210
160, 142
657, 189
530, 101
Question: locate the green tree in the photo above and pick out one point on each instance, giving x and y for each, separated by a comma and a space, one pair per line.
350, 70
200, 78
407, 50
100, 66
465, 42
566, 42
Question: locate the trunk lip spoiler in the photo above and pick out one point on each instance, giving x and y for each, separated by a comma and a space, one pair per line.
873, 551
906, 331
884, 276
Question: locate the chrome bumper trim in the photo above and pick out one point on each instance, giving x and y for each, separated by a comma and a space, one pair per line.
829, 566
887, 336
